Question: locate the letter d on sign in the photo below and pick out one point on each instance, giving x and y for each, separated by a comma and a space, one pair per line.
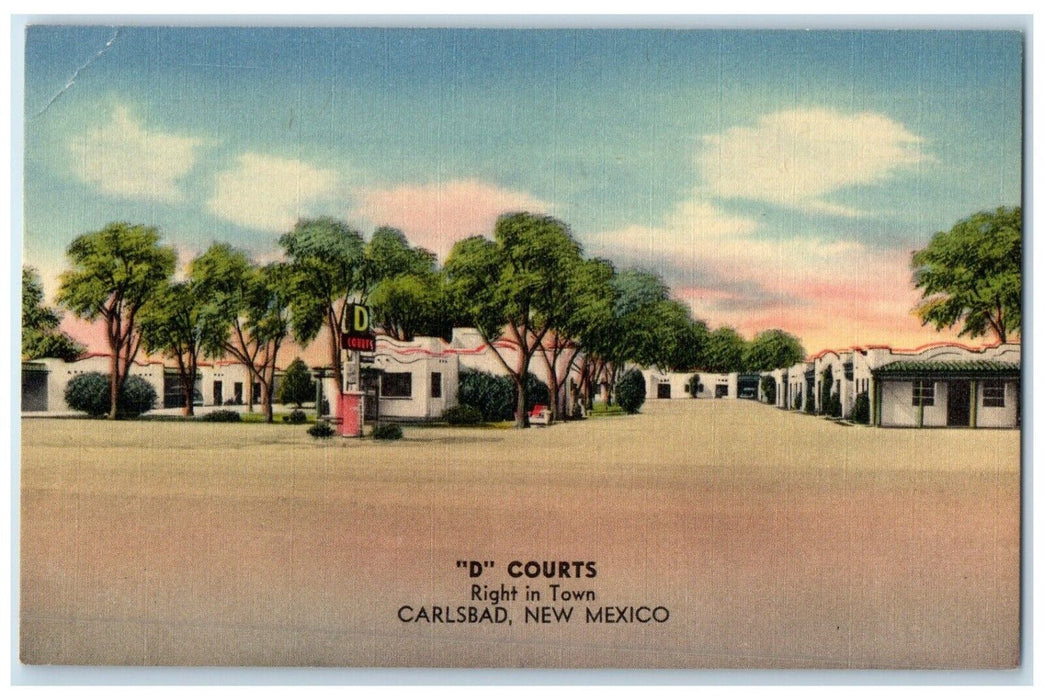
360, 319
357, 320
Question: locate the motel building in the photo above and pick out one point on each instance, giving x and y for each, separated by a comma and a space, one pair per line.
709, 385
948, 387
410, 381
936, 385
222, 383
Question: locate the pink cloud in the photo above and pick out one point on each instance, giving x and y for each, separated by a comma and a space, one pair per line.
831, 295
436, 215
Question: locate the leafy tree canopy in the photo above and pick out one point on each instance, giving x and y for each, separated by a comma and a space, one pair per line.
40, 334
725, 351
114, 270
972, 275
327, 259
772, 349
297, 385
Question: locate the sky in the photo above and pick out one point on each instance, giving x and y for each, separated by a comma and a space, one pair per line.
775, 179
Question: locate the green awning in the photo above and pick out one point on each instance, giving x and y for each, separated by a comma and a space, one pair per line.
947, 368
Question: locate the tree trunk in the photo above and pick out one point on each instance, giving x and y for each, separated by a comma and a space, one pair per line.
188, 389
521, 419
114, 382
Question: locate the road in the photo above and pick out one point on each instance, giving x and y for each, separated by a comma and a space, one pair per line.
773, 540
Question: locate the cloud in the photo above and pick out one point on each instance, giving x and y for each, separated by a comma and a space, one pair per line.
125, 159
751, 274
831, 293
436, 215
271, 193
797, 157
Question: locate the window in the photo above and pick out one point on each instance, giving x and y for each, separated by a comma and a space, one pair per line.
397, 385
923, 392
993, 394
436, 385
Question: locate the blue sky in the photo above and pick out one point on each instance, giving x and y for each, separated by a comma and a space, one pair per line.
775, 178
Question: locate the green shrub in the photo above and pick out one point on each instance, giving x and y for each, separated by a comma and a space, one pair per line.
861, 409
630, 391
693, 386
768, 389
222, 416
494, 396
537, 393
321, 430
462, 415
90, 393
826, 385
137, 397
797, 402
387, 431
833, 406
295, 417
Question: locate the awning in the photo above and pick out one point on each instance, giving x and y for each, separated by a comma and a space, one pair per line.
947, 369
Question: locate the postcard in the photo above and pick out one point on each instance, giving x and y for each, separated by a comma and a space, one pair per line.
568, 347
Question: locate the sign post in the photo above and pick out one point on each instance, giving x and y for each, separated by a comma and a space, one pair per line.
357, 337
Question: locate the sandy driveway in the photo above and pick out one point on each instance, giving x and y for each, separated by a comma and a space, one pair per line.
772, 539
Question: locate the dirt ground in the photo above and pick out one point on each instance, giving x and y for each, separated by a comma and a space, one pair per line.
772, 539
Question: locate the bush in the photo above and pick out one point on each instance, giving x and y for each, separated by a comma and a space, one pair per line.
630, 391
295, 417
137, 397
693, 386
90, 393
797, 402
462, 415
861, 409
494, 396
387, 431
833, 406
536, 393
221, 416
321, 430
826, 385
768, 389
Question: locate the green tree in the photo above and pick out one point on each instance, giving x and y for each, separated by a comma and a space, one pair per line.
630, 391
972, 275
40, 334
174, 326
223, 276
268, 322
725, 351
587, 308
247, 314
298, 385
515, 287
404, 288
771, 350
326, 273
115, 272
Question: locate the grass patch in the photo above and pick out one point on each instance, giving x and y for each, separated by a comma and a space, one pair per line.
601, 410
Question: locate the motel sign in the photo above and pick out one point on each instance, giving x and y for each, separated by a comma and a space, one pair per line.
356, 334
